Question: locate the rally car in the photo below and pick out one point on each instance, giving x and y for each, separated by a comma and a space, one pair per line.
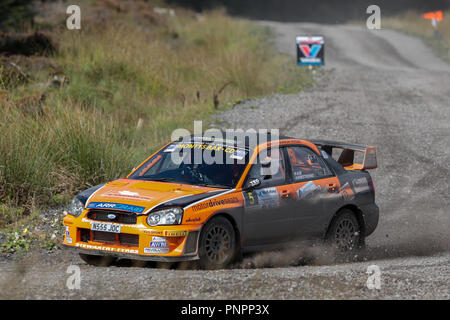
179, 205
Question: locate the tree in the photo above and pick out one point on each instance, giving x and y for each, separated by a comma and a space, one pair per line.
15, 13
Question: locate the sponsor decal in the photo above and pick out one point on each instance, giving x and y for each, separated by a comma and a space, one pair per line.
213, 203
159, 244
360, 185
310, 50
268, 197
238, 154
117, 206
254, 182
175, 233
154, 239
158, 232
156, 250
308, 190
68, 238
204, 146
193, 219
103, 248
265, 198
298, 175
126, 194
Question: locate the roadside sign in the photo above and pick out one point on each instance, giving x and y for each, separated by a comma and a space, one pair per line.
310, 50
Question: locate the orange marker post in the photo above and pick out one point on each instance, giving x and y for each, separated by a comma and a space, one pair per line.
435, 17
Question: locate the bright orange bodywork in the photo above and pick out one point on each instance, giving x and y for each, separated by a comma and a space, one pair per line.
134, 239
150, 194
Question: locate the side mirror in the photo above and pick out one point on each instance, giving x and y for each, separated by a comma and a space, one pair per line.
252, 183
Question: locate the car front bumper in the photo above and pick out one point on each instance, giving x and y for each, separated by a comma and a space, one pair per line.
137, 241
158, 258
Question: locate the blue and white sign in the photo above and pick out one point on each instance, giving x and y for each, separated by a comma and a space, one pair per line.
310, 50
115, 206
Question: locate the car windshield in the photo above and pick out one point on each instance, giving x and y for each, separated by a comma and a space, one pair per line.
195, 163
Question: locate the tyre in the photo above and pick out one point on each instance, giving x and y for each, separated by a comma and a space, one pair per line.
98, 261
345, 235
217, 244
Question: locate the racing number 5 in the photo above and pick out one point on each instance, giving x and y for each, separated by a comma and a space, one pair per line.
250, 197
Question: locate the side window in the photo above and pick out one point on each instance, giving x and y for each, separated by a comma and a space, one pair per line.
270, 170
306, 164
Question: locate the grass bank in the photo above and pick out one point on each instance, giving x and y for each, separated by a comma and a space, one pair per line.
112, 92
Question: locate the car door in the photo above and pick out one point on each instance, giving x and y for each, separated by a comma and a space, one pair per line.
266, 220
315, 189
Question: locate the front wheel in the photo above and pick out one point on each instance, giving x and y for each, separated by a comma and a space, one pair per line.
345, 235
217, 244
98, 261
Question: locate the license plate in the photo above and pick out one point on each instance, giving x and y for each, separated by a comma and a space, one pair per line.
105, 227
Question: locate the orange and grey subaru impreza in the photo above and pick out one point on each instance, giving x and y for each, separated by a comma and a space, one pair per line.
179, 205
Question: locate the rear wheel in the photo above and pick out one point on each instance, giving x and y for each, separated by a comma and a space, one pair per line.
98, 261
217, 244
345, 235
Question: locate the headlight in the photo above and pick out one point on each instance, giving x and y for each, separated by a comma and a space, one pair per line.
165, 217
76, 207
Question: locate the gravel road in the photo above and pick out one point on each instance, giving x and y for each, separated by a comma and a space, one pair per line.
378, 88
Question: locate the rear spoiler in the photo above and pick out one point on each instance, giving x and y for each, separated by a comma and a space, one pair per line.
347, 157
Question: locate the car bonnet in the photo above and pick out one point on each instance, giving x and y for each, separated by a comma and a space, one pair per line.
141, 196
